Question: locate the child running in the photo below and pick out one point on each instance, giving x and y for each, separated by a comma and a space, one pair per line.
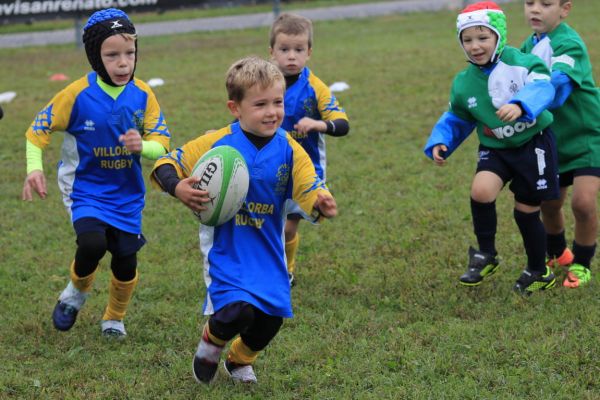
576, 110
503, 93
110, 120
248, 293
311, 110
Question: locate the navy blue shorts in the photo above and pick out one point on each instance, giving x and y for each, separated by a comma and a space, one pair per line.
531, 169
566, 178
119, 243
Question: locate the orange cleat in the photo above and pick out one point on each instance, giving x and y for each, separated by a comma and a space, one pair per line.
565, 259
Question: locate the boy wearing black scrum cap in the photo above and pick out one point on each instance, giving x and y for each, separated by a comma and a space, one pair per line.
110, 120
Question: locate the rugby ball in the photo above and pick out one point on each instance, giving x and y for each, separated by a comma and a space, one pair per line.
224, 175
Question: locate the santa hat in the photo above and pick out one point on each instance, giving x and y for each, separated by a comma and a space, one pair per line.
488, 14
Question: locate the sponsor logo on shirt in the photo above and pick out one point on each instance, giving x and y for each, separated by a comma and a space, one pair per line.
89, 125
506, 131
472, 102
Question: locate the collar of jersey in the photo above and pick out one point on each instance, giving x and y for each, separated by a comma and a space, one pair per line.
112, 91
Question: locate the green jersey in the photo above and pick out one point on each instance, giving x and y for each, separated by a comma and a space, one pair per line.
476, 96
577, 122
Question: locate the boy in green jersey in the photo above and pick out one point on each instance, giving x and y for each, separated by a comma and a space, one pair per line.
576, 110
504, 94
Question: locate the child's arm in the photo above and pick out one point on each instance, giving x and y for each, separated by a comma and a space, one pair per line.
308, 190
325, 205
35, 179
134, 143
53, 117
334, 120
166, 177
450, 131
563, 86
529, 102
337, 127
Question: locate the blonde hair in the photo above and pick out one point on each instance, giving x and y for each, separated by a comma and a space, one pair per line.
129, 36
248, 72
293, 25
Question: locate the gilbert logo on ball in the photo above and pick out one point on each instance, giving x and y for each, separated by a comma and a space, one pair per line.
224, 175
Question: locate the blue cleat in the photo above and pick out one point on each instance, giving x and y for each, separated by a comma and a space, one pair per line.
64, 316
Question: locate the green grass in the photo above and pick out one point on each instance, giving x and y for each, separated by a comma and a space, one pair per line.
379, 313
175, 14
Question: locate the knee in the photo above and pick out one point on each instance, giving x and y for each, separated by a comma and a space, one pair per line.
551, 208
482, 195
584, 208
124, 268
92, 243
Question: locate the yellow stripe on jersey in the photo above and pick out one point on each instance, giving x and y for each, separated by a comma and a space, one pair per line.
307, 185
55, 116
152, 117
185, 157
329, 107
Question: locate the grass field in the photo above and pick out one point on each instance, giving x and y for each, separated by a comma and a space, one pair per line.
379, 313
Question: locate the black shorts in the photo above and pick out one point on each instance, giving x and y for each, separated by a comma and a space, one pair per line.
531, 169
566, 178
119, 243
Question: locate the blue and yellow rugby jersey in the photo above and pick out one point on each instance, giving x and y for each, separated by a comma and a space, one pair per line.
97, 176
244, 258
310, 97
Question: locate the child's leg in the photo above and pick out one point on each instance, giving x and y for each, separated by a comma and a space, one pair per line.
120, 290
537, 276
484, 190
583, 204
554, 222
292, 241
244, 350
91, 247
221, 327
533, 233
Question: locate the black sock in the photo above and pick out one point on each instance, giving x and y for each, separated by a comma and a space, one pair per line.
583, 254
556, 244
484, 225
534, 239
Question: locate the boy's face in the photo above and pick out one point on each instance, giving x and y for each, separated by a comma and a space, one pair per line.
261, 111
479, 43
118, 57
544, 16
290, 53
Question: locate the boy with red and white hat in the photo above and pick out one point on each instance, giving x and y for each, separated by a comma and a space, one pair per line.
504, 94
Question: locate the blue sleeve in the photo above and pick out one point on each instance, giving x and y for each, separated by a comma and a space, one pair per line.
534, 98
451, 131
563, 85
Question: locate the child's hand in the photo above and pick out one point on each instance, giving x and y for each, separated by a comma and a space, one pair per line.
509, 112
326, 205
193, 198
132, 141
439, 154
306, 125
35, 181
